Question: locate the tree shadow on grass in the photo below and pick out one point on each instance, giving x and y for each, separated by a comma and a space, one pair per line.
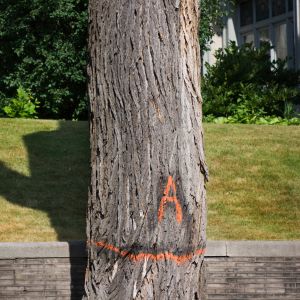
58, 181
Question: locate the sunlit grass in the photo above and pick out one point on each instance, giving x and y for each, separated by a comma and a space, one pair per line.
253, 192
254, 188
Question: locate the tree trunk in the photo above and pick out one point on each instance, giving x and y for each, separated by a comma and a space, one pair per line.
146, 213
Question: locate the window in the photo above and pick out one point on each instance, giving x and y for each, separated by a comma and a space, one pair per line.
290, 5
262, 9
264, 36
290, 42
278, 7
246, 13
248, 38
269, 21
281, 41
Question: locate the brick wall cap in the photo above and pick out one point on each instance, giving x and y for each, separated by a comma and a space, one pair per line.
214, 249
42, 249
253, 248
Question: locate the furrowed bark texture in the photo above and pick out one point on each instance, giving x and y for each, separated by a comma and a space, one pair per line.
147, 211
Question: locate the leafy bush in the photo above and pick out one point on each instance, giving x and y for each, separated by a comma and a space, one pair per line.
246, 86
22, 106
43, 48
248, 119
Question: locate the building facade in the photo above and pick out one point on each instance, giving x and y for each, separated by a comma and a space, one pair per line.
257, 21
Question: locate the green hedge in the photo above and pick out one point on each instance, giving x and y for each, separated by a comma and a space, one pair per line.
42, 48
246, 86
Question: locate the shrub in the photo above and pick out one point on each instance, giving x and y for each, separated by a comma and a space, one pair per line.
266, 120
245, 85
22, 106
43, 48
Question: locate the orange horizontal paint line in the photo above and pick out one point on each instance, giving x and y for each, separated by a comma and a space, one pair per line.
179, 259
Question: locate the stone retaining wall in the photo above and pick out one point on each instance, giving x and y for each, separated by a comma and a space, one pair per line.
235, 270
253, 270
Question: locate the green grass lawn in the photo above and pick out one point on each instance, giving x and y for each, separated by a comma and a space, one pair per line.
253, 192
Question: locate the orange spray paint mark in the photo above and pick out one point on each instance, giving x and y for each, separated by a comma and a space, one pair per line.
166, 198
179, 259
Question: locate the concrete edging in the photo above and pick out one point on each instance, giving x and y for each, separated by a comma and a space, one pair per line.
253, 248
214, 249
42, 249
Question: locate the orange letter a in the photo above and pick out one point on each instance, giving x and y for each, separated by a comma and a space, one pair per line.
167, 198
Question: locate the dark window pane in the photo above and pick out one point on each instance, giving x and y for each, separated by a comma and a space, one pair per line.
246, 14
291, 4
262, 9
278, 7
291, 52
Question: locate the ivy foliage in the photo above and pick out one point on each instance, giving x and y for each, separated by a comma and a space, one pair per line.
213, 14
42, 48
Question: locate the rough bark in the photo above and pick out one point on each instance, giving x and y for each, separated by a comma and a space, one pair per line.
146, 213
